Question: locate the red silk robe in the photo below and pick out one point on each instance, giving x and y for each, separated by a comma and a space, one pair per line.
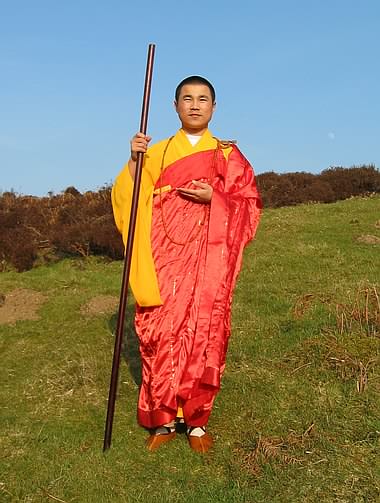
197, 252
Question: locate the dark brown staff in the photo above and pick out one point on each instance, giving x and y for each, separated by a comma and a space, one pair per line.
128, 257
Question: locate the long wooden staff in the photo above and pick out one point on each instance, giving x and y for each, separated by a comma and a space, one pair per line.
128, 256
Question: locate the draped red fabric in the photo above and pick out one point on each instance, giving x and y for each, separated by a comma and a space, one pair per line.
197, 251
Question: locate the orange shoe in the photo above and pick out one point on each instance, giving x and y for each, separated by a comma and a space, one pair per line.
200, 444
154, 441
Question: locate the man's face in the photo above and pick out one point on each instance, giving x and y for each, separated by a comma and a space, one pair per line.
195, 108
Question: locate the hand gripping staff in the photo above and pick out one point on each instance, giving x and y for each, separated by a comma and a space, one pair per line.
128, 256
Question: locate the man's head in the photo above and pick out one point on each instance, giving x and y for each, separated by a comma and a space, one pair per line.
195, 104
195, 79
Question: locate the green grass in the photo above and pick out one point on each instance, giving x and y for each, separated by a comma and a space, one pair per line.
289, 423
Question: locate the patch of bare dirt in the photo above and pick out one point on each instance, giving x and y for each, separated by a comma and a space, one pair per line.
377, 224
369, 239
20, 304
102, 304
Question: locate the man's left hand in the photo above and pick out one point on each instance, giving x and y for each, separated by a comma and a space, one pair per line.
201, 195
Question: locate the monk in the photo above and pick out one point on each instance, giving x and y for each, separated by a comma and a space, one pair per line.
198, 208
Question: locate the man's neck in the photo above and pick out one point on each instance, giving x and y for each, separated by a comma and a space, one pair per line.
194, 132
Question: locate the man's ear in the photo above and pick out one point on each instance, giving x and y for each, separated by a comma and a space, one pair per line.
175, 105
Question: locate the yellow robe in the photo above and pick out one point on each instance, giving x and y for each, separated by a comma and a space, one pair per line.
143, 278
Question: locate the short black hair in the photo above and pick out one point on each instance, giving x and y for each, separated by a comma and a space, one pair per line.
195, 79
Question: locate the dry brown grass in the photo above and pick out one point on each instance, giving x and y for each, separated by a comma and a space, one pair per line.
61, 384
101, 304
329, 352
348, 347
291, 449
20, 304
360, 314
347, 365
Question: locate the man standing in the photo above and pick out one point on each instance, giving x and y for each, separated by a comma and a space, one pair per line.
198, 208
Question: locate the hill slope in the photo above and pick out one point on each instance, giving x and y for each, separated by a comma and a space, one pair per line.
297, 419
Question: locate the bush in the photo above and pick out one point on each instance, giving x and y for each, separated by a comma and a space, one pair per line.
38, 230
331, 185
354, 181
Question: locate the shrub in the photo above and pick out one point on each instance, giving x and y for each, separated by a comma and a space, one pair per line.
36, 230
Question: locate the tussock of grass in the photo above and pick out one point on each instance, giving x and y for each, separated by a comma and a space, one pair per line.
359, 314
351, 359
291, 449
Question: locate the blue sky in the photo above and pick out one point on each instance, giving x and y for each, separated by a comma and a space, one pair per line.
297, 82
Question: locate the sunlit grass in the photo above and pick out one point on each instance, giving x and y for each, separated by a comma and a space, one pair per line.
298, 416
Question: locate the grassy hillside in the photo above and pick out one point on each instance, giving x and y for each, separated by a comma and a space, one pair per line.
298, 417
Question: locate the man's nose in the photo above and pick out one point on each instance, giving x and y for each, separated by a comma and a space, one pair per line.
194, 105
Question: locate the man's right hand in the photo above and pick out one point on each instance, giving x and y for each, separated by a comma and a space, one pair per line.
139, 143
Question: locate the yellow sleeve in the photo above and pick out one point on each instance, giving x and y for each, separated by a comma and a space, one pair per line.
143, 277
